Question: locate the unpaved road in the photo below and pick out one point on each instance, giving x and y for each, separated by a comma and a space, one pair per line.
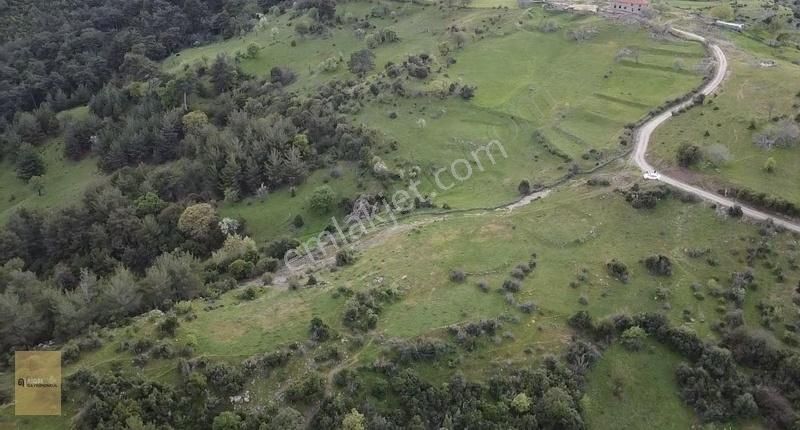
646, 129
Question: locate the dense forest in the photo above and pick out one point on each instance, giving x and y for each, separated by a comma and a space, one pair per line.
63, 52
165, 163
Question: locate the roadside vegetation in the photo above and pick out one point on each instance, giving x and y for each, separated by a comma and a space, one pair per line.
743, 135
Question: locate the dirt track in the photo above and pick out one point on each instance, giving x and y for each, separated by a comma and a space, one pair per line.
645, 130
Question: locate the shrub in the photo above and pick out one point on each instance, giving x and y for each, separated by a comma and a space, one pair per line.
511, 285
784, 134
633, 338
279, 247
457, 275
345, 257
140, 360
267, 264
618, 270
647, 198
322, 199
517, 273
362, 309
235, 247
90, 342
162, 350
70, 353
282, 75
298, 222
658, 265
581, 320
183, 308
718, 154
329, 65
240, 269
663, 294
142, 345
319, 331
770, 165
524, 187
521, 403
689, 155
527, 307
598, 181
249, 293
168, 326
307, 388
735, 211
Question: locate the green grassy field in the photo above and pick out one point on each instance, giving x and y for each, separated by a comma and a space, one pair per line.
751, 93
309, 52
637, 405
570, 230
271, 216
64, 182
573, 93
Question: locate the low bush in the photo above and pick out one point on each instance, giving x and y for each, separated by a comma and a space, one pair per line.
658, 265
618, 270
633, 338
345, 257
458, 276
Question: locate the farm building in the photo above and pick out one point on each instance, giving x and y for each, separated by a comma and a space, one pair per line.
629, 6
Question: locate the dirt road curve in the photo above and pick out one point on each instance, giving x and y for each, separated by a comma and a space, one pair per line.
645, 130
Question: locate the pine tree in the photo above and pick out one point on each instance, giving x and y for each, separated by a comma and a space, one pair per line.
253, 176
230, 175
29, 163
170, 136
295, 168
223, 74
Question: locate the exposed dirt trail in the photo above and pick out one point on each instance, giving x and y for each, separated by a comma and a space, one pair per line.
644, 132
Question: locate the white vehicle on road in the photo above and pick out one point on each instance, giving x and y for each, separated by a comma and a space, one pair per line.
652, 174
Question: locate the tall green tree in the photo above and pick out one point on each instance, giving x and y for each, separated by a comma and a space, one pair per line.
223, 73
29, 163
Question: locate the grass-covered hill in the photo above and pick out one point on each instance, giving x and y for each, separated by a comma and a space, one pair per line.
145, 232
566, 242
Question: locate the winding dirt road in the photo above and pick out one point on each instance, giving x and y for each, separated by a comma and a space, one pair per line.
645, 130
